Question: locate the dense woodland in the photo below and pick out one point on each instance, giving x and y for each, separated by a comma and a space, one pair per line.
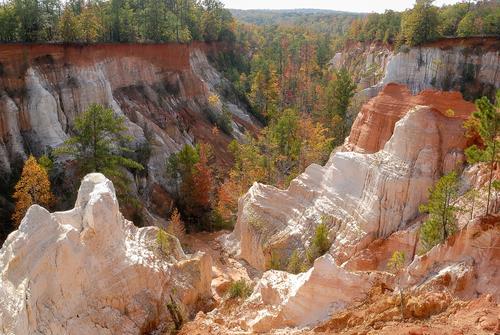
114, 21
426, 22
278, 66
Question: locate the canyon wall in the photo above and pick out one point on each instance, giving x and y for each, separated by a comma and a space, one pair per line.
468, 65
362, 195
161, 89
90, 271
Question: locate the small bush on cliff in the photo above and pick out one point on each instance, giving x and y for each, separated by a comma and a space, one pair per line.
441, 222
32, 188
164, 243
395, 265
176, 226
239, 289
295, 264
320, 243
396, 262
175, 313
275, 261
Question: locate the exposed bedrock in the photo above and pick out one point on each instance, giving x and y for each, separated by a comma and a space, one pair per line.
361, 196
162, 91
90, 271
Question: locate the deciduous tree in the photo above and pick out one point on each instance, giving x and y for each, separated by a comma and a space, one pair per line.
32, 188
176, 226
420, 24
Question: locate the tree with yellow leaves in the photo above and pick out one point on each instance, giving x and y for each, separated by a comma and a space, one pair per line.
32, 188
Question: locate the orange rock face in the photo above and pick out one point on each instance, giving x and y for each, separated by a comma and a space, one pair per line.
375, 122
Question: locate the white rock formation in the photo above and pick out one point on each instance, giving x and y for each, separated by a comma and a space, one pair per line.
361, 196
307, 298
441, 68
467, 264
161, 91
42, 111
90, 271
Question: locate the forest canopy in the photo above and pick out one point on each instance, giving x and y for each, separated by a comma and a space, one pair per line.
426, 22
114, 21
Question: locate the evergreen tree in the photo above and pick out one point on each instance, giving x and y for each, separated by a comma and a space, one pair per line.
294, 264
396, 262
28, 14
8, 23
320, 243
340, 93
191, 171
99, 145
128, 30
32, 188
486, 121
441, 209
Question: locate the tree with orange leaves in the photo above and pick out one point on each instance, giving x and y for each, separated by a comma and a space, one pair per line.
203, 181
176, 226
32, 188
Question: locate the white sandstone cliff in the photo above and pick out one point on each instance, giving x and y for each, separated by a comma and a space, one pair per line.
469, 65
362, 196
90, 271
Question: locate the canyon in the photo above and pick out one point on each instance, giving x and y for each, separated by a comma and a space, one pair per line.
365, 193
467, 65
88, 270
161, 90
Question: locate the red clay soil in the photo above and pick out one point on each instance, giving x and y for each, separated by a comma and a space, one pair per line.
168, 56
377, 118
15, 58
426, 314
486, 43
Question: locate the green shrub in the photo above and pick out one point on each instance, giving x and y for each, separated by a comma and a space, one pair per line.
320, 243
239, 289
295, 264
163, 242
275, 262
396, 262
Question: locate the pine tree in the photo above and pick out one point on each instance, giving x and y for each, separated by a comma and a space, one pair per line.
99, 145
396, 262
32, 188
441, 222
486, 121
339, 94
8, 23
